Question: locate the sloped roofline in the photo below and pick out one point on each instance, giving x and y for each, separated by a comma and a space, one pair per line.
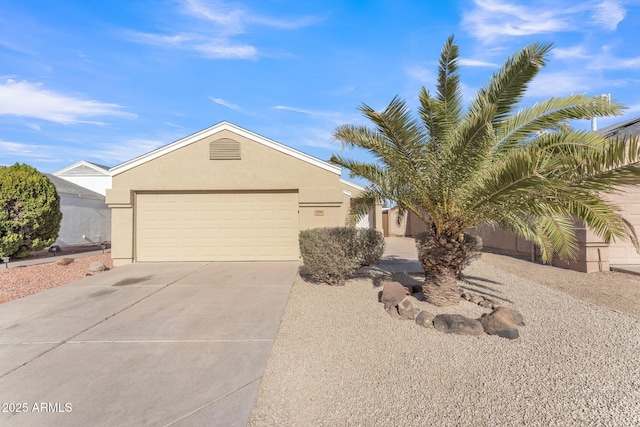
67, 187
352, 184
616, 126
98, 168
224, 125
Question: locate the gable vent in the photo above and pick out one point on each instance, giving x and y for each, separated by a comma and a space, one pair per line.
224, 149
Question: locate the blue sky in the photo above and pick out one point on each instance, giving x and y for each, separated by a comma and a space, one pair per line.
106, 81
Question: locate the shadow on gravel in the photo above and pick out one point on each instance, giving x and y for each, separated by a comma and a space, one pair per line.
487, 290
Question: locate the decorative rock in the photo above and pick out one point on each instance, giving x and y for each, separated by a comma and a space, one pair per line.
499, 324
97, 266
477, 299
425, 319
509, 314
393, 312
485, 304
65, 261
406, 310
392, 294
457, 324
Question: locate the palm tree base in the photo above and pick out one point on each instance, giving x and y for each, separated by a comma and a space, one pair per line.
443, 290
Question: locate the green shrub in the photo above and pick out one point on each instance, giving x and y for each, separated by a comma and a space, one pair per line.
369, 246
325, 256
29, 211
332, 255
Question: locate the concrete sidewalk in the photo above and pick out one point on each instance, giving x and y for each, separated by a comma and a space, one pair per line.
143, 344
401, 256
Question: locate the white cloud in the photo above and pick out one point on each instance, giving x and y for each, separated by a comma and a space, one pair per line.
22, 153
124, 150
234, 18
227, 104
608, 14
608, 62
576, 52
32, 100
303, 111
559, 84
421, 74
470, 62
208, 45
494, 18
491, 19
218, 23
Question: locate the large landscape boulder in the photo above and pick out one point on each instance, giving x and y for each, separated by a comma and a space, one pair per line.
392, 294
496, 325
509, 314
457, 324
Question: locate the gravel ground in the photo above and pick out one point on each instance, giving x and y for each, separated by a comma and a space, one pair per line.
339, 359
22, 281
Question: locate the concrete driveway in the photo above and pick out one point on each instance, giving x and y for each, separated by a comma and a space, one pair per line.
146, 344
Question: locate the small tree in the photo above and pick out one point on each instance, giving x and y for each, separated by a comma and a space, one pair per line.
29, 211
493, 161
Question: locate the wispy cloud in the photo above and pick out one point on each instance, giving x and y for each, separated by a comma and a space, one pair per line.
494, 18
491, 19
307, 112
559, 84
234, 18
25, 99
219, 24
470, 62
597, 59
421, 74
208, 46
227, 104
13, 152
608, 14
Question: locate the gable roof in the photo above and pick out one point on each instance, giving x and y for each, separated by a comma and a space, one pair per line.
69, 188
625, 129
83, 168
213, 130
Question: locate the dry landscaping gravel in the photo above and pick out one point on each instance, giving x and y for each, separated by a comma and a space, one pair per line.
340, 359
18, 282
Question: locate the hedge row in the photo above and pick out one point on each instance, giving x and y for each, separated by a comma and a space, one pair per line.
332, 255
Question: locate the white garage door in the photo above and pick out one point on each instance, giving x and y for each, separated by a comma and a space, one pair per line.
216, 226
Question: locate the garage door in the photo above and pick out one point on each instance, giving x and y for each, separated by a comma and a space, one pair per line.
216, 226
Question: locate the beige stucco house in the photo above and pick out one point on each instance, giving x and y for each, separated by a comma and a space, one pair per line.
223, 194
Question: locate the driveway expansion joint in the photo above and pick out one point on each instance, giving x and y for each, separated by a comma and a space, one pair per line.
61, 343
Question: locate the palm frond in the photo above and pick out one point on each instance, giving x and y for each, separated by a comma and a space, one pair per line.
507, 87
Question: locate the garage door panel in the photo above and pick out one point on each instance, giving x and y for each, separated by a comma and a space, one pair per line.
217, 226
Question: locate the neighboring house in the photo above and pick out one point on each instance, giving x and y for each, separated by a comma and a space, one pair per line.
620, 252
86, 218
223, 194
89, 175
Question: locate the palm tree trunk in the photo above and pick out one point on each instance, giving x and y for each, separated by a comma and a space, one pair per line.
442, 288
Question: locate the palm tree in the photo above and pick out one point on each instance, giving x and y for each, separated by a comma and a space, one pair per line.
524, 169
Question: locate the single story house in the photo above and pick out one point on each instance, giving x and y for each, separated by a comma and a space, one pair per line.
223, 194
89, 175
86, 218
